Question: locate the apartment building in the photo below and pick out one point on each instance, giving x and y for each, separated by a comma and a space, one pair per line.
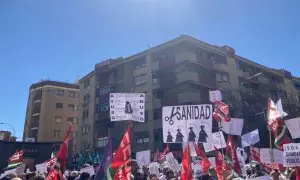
51, 106
182, 71
85, 139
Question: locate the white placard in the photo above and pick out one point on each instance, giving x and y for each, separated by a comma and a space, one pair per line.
242, 163
172, 162
42, 168
187, 123
215, 96
278, 156
143, 158
212, 161
193, 152
291, 155
88, 169
154, 168
127, 106
242, 152
20, 169
294, 126
11, 171
218, 142
250, 138
267, 177
234, 127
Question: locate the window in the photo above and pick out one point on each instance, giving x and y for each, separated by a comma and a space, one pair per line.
222, 77
84, 130
140, 79
140, 63
86, 99
86, 83
157, 94
74, 134
59, 92
72, 120
72, 94
56, 133
101, 142
104, 106
71, 107
59, 105
142, 140
58, 119
76, 108
154, 78
106, 90
157, 113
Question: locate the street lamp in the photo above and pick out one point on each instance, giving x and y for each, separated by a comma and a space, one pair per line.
14, 133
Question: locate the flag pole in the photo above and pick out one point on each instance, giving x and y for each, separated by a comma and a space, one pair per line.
270, 139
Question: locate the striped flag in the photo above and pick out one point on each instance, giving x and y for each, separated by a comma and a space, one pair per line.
221, 112
162, 155
16, 159
255, 158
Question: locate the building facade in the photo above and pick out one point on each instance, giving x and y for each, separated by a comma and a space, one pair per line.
182, 71
51, 107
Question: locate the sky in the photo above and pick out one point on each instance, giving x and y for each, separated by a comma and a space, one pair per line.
63, 40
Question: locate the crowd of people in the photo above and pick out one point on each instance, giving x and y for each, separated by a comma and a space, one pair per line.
254, 170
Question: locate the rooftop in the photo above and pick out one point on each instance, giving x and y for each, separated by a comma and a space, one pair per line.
54, 83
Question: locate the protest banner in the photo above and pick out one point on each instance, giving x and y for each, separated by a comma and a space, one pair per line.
88, 169
266, 177
291, 155
154, 168
11, 171
172, 162
187, 123
242, 152
218, 142
293, 126
215, 96
143, 158
250, 138
127, 106
42, 168
234, 127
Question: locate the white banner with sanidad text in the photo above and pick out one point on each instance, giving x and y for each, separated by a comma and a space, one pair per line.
291, 155
187, 123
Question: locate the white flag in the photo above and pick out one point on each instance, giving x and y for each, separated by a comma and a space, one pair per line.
294, 127
280, 109
250, 138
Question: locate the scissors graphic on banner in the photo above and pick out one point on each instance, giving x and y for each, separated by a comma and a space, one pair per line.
171, 122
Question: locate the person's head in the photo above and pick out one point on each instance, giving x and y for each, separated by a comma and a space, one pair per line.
178, 130
11, 176
84, 176
212, 172
39, 177
74, 174
191, 128
96, 166
202, 127
134, 166
169, 132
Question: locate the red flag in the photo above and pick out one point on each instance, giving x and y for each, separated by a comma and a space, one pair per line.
162, 155
276, 124
219, 165
55, 173
156, 156
122, 157
255, 156
221, 112
231, 150
186, 170
205, 163
297, 173
121, 174
51, 161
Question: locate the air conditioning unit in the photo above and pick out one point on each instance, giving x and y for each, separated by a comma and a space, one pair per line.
30, 140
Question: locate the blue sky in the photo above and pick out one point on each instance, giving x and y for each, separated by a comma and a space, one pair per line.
63, 40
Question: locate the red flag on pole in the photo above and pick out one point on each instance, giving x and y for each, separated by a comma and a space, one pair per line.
122, 157
204, 162
162, 156
58, 168
231, 150
186, 170
221, 112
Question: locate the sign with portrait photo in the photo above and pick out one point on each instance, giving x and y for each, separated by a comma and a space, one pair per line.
187, 123
127, 106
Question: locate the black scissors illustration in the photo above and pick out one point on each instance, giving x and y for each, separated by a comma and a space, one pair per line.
169, 118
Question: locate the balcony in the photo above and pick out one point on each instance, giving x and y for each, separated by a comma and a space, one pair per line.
37, 96
189, 56
224, 85
187, 76
186, 97
244, 74
140, 71
221, 67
